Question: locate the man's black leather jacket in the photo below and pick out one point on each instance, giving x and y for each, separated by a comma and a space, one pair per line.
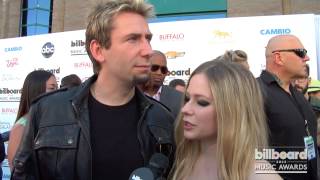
56, 143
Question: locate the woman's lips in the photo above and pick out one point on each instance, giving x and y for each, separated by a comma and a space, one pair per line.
188, 125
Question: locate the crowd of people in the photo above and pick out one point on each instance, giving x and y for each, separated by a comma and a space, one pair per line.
124, 122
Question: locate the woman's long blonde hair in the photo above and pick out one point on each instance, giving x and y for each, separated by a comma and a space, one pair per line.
241, 124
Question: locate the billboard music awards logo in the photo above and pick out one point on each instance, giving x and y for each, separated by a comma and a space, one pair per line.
185, 72
78, 48
54, 71
47, 50
7, 94
180, 73
281, 160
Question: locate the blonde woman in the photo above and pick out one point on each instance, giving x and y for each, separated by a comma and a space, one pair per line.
220, 125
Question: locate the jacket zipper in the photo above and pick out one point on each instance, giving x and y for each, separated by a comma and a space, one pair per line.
139, 134
85, 136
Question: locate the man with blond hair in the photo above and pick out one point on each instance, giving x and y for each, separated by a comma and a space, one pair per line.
291, 121
105, 128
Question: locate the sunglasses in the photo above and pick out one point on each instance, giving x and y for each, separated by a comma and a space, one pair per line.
163, 69
299, 52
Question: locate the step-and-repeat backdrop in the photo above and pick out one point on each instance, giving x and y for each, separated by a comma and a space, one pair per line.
186, 44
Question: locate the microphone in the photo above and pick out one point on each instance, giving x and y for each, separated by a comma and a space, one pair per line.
157, 166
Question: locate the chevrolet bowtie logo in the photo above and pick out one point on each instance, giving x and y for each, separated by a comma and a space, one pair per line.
174, 54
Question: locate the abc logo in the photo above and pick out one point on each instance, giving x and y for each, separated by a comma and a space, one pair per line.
47, 50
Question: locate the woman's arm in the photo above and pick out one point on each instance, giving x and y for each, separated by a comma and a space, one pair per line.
14, 142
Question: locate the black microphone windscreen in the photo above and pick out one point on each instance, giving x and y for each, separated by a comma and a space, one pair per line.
159, 161
142, 174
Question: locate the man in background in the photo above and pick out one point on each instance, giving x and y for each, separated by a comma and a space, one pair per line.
178, 84
69, 81
302, 84
155, 87
314, 99
291, 120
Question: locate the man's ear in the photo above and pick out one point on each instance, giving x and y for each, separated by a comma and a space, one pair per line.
278, 59
96, 50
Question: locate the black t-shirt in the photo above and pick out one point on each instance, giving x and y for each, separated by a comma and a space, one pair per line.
115, 146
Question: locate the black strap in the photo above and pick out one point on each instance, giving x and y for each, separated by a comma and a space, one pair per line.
299, 107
